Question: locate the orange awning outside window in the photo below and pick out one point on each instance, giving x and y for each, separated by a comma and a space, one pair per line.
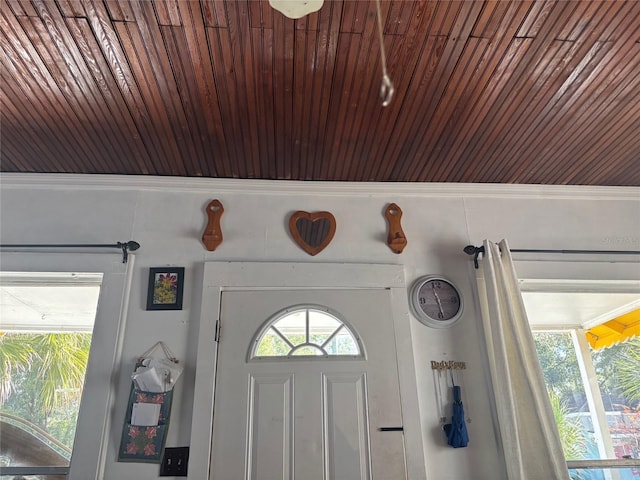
614, 331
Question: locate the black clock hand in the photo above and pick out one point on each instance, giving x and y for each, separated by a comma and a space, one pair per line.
438, 300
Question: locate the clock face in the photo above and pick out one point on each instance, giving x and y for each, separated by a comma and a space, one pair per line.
436, 301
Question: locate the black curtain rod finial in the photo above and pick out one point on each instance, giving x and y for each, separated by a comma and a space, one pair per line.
472, 249
475, 251
126, 247
133, 246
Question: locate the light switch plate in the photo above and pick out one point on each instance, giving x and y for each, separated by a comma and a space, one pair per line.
174, 462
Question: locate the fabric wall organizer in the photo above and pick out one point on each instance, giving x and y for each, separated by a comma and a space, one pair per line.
146, 422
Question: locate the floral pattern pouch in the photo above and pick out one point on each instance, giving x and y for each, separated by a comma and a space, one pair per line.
145, 443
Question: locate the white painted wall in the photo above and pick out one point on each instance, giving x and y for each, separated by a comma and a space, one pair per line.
166, 216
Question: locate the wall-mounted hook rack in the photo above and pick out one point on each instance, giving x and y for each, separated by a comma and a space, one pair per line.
448, 365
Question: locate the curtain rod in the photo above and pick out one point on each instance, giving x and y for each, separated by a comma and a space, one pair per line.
125, 247
475, 251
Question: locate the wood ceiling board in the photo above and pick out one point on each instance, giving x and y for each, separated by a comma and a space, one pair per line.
447, 118
432, 60
595, 104
377, 124
168, 13
364, 82
585, 133
155, 67
550, 104
452, 54
117, 114
398, 18
262, 40
338, 102
486, 91
260, 14
118, 11
237, 44
580, 24
624, 12
26, 140
536, 17
471, 113
223, 81
326, 62
123, 87
307, 131
38, 81
149, 98
22, 8
512, 101
491, 18
204, 93
557, 114
13, 161
195, 126
214, 12
71, 8
526, 110
302, 92
353, 16
24, 143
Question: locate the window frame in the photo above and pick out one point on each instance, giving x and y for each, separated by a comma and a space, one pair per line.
264, 328
95, 416
585, 363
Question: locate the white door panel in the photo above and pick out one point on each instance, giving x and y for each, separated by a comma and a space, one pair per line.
307, 419
346, 427
270, 417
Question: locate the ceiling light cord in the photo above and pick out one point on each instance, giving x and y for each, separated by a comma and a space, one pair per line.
386, 87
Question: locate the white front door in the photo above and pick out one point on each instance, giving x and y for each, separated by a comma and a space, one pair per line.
308, 418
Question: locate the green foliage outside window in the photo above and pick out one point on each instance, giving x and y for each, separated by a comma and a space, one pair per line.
618, 374
571, 432
41, 379
626, 369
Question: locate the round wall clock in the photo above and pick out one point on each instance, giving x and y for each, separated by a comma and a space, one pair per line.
436, 301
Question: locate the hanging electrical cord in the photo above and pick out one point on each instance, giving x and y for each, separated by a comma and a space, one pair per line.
386, 87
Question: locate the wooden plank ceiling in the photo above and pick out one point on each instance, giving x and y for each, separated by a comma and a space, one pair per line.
508, 91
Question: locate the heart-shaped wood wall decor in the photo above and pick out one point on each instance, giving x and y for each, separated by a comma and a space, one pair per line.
312, 231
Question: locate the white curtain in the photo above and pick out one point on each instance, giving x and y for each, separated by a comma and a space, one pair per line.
525, 419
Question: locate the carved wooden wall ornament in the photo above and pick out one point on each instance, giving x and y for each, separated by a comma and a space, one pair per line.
312, 231
395, 238
212, 237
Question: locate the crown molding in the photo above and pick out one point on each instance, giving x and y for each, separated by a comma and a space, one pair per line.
63, 181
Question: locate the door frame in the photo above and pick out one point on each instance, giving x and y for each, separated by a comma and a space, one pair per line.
223, 276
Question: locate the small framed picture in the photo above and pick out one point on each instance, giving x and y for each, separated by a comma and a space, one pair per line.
165, 288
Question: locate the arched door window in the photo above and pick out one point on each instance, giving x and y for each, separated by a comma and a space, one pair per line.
305, 331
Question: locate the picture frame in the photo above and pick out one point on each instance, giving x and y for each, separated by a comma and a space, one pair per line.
165, 288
